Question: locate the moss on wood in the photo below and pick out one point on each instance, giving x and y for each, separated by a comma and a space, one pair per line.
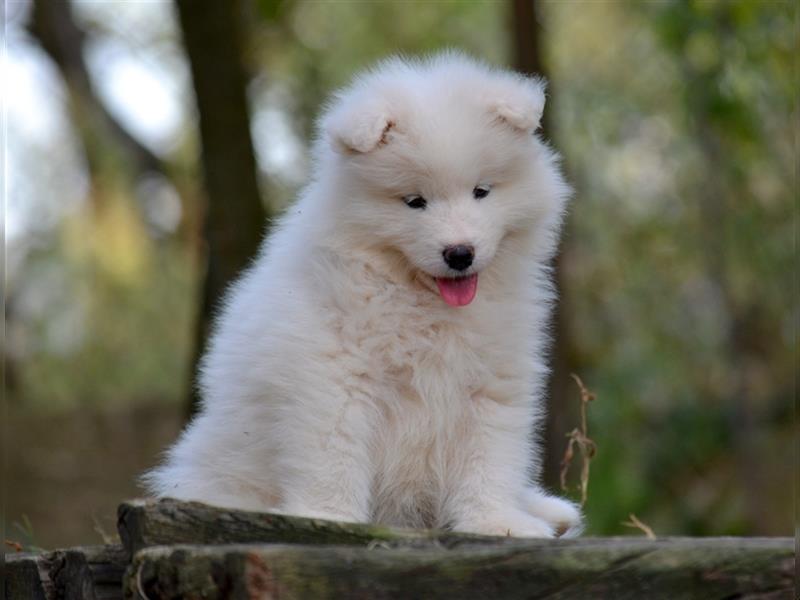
142, 524
189, 550
619, 568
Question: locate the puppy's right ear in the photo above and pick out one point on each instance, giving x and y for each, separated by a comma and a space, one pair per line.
518, 101
358, 126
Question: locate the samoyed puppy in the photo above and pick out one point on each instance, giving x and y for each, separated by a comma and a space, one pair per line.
382, 358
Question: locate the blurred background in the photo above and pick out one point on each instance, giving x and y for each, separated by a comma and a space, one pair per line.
149, 142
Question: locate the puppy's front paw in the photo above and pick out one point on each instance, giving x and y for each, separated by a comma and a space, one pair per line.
512, 523
562, 515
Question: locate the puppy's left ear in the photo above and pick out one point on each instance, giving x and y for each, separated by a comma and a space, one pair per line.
519, 102
358, 126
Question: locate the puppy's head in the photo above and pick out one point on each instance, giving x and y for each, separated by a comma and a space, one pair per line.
438, 161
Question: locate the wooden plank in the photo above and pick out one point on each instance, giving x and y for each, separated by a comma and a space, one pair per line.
86, 573
204, 555
145, 523
618, 568
22, 578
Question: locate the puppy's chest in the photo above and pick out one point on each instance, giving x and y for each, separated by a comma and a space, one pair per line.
403, 346
407, 352
426, 379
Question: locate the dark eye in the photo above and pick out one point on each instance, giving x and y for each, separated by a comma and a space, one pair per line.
481, 191
415, 201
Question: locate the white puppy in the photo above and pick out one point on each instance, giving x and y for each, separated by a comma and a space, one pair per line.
359, 371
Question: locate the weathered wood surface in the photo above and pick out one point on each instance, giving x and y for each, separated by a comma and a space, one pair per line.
147, 523
190, 550
618, 568
87, 573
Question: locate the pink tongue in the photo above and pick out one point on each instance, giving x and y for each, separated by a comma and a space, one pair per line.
458, 292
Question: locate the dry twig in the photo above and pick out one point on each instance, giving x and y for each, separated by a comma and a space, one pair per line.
580, 438
104, 535
634, 522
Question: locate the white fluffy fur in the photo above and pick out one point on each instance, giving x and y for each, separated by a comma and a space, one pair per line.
338, 384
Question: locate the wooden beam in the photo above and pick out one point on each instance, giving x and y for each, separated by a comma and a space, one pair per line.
142, 524
618, 568
85, 573
190, 550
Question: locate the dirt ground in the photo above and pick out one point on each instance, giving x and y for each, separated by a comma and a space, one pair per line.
67, 473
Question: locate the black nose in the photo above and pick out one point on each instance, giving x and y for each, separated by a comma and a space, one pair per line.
459, 257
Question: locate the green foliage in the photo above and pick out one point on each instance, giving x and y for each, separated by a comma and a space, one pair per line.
114, 321
674, 119
674, 129
21, 536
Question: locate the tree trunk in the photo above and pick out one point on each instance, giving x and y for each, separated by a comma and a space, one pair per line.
53, 26
528, 50
235, 218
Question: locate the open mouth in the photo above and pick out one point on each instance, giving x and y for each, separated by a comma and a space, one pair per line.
458, 291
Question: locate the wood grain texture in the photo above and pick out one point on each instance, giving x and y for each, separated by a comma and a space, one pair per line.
189, 550
142, 524
619, 568
86, 573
